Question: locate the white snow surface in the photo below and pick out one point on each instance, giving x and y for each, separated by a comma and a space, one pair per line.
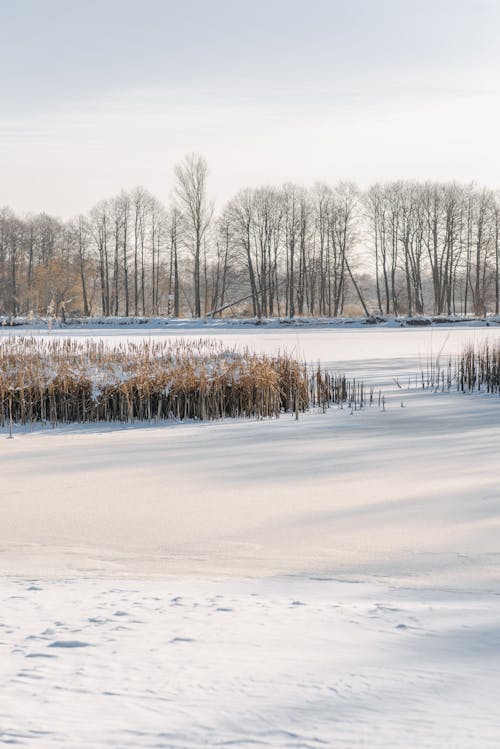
328, 582
281, 662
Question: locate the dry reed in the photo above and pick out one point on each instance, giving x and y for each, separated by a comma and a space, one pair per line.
474, 369
478, 368
64, 380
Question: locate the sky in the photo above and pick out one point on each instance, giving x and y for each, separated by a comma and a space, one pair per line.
102, 95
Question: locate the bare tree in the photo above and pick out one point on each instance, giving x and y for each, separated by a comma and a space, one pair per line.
191, 195
79, 236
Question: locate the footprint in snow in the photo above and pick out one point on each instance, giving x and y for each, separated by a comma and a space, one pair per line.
181, 639
69, 644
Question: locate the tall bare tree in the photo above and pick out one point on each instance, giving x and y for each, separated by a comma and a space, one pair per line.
192, 199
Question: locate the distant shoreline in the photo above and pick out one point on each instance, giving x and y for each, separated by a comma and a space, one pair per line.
150, 322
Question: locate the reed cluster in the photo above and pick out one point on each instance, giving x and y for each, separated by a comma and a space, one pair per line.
55, 381
474, 369
478, 368
326, 389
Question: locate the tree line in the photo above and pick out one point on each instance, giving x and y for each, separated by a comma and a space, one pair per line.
401, 247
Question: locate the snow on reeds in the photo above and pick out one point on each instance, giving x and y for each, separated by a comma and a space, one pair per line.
63, 381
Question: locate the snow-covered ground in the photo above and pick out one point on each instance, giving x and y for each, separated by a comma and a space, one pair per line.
279, 662
327, 582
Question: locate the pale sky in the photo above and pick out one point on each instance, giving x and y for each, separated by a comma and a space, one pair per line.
99, 95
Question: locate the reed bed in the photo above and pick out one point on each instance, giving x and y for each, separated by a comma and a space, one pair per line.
65, 381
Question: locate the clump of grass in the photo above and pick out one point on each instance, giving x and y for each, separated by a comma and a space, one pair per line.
64, 381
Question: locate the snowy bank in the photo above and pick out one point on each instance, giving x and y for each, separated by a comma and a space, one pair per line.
207, 323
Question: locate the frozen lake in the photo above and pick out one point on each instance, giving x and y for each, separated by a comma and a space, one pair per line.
327, 582
359, 351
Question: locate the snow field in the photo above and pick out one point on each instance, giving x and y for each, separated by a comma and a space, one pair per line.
327, 582
283, 662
